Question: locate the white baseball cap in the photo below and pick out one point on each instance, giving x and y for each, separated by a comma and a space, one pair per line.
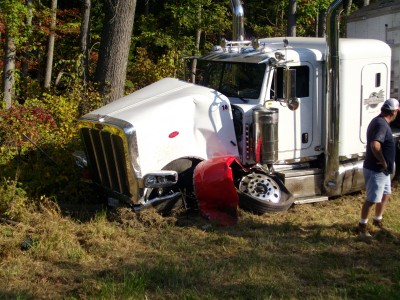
391, 104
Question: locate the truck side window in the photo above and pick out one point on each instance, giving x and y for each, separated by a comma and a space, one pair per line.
302, 81
377, 79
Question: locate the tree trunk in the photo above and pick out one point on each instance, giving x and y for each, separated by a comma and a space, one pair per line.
348, 7
9, 70
50, 49
24, 64
366, 2
197, 48
291, 29
114, 48
25, 55
321, 23
197, 43
85, 40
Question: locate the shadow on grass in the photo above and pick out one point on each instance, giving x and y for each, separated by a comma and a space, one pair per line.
54, 174
16, 295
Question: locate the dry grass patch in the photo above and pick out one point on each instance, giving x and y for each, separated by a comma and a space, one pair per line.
309, 252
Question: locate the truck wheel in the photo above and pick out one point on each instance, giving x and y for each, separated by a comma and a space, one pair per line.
260, 193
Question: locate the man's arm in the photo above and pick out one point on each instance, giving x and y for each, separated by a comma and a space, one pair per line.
376, 148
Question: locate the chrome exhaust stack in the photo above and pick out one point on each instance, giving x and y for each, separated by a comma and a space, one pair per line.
331, 181
237, 21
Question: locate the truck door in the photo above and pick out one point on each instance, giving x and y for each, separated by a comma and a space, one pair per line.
374, 91
296, 126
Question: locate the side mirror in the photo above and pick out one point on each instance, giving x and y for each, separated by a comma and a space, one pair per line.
289, 88
289, 84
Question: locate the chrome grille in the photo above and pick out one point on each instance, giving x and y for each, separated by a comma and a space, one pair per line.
107, 159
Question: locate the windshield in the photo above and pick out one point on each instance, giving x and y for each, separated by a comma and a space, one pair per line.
243, 80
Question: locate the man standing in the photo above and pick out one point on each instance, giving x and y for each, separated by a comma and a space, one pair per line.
378, 165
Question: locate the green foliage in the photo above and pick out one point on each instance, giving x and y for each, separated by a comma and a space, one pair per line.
22, 126
263, 31
269, 18
151, 34
14, 12
191, 15
37, 140
145, 71
307, 15
263, 14
13, 200
161, 39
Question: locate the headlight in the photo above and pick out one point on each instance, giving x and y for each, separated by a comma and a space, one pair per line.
80, 159
160, 179
151, 180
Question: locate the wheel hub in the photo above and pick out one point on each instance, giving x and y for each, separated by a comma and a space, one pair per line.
260, 186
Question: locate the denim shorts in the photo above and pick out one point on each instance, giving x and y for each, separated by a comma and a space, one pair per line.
377, 184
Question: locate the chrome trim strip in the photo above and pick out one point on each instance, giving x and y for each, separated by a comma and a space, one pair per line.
117, 167
311, 199
96, 158
109, 177
156, 201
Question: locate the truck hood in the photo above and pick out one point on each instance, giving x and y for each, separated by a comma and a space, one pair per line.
173, 119
131, 107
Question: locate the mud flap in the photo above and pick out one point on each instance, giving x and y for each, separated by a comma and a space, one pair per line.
215, 190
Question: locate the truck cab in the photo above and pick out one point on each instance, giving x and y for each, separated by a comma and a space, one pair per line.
294, 84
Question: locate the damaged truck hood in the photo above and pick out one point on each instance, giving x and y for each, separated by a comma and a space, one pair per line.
172, 119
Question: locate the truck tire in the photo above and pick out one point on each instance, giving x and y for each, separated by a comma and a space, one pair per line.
260, 193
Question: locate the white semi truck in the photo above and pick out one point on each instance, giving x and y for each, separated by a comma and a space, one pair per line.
273, 122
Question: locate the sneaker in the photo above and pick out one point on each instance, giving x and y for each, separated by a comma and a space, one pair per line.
363, 230
377, 223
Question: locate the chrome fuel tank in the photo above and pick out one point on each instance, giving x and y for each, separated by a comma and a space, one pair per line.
265, 131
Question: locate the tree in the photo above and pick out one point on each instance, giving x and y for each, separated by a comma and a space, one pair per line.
24, 63
310, 17
114, 48
348, 7
85, 39
50, 49
197, 41
193, 24
12, 12
321, 25
196, 18
291, 29
9, 69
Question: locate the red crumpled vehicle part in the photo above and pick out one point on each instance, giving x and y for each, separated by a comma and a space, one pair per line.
215, 190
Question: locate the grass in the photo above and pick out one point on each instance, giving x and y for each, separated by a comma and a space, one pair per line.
310, 252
